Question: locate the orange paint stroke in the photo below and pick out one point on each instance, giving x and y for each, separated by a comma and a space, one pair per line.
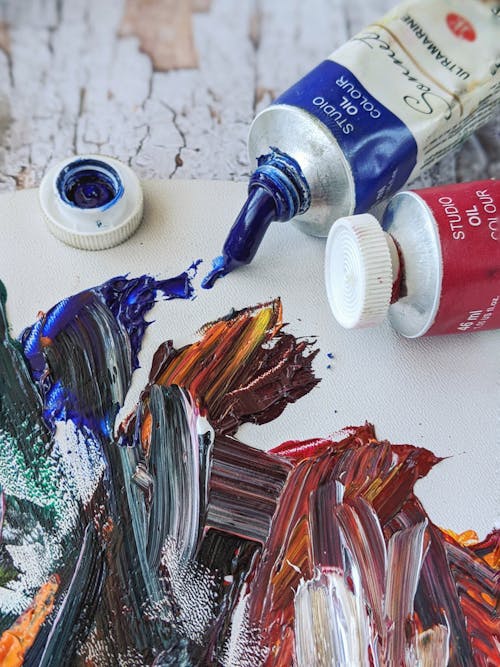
467, 538
213, 377
15, 642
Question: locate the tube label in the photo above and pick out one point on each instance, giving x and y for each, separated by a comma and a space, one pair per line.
379, 147
406, 90
467, 216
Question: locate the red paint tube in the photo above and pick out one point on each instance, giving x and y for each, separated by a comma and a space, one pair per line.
432, 266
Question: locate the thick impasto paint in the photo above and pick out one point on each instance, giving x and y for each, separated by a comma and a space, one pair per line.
165, 540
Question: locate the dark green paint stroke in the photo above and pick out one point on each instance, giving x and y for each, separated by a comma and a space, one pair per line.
82, 372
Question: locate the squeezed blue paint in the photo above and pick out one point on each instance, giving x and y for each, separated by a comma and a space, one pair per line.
277, 191
244, 236
130, 299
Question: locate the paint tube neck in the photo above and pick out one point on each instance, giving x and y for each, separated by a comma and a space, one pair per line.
281, 177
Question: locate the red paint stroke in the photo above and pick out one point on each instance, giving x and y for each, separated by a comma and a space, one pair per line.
350, 493
377, 481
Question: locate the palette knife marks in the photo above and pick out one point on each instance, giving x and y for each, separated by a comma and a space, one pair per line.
177, 544
37, 442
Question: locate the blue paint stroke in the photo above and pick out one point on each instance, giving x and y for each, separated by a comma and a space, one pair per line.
82, 329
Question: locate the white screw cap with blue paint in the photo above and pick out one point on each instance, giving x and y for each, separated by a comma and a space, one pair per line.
91, 202
361, 264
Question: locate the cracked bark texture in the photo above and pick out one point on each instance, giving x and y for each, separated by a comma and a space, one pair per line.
76, 78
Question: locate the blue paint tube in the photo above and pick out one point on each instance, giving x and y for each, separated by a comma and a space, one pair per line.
383, 107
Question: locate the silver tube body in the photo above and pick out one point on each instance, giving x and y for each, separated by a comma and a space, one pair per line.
385, 106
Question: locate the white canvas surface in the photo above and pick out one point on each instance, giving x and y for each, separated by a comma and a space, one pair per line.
442, 393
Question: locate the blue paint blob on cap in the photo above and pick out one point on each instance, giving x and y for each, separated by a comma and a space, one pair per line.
89, 184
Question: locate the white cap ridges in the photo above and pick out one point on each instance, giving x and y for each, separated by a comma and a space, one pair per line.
358, 271
92, 228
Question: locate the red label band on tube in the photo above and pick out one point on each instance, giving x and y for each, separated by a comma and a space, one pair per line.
467, 218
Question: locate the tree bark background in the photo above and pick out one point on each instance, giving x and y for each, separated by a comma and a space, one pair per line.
169, 86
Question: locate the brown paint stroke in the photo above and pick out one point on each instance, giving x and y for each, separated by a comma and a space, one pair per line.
164, 29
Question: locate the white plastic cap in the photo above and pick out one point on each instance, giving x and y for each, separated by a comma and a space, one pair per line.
359, 270
86, 220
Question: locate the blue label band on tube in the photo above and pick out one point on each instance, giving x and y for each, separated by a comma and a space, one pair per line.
380, 148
